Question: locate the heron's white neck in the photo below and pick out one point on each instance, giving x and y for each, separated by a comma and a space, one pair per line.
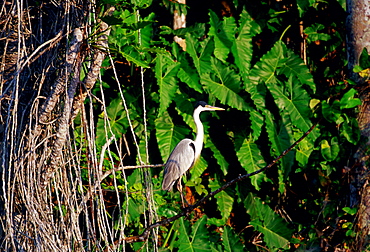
200, 133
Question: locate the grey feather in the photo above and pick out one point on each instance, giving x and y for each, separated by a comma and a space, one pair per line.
181, 159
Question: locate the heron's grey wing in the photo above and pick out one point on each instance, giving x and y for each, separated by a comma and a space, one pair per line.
181, 159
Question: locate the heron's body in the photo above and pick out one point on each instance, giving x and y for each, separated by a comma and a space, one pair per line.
186, 152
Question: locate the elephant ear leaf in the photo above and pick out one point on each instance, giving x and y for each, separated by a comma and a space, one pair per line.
194, 239
165, 72
251, 159
274, 228
231, 241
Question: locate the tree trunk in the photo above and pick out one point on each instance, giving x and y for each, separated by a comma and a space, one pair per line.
42, 50
358, 38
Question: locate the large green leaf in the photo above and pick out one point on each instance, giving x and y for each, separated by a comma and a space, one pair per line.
168, 135
231, 241
197, 239
242, 45
224, 34
296, 104
277, 234
251, 160
280, 136
165, 72
293, 65
225, 85
200, 52
189, 76
348, 100
265, 69
224, 200
197, 170
257, 122
131, 53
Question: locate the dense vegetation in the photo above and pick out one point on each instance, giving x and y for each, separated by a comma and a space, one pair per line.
277, 68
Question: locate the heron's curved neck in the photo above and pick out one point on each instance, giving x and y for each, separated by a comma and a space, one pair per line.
200, 133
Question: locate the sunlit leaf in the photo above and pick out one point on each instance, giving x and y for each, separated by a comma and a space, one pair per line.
195, 240
225, 86
265, 69
293, 65
348, 100
200, 52
275, 230
295, 104
223, 199
330, 150
189, 76
251, 160
223, 32
231, 241
242, 45
165, 72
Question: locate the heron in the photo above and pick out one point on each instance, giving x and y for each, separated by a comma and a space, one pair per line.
186, 153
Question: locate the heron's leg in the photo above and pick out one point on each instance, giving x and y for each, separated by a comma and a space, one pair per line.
179, 187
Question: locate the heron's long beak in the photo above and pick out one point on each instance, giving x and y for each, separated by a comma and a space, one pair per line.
213, 108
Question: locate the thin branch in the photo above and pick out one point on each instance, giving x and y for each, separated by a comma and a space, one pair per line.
187, 210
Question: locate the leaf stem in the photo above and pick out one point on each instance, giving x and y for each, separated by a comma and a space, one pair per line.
282, 35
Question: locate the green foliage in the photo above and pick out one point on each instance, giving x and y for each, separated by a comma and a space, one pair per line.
271, 96
274, 228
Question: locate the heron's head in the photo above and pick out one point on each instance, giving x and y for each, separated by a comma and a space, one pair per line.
203, 106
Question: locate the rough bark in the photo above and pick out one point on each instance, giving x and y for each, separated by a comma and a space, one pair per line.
358, 38
41, 53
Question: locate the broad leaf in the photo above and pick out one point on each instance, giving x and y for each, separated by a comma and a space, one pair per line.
251, 160
223, 33
295, 104
257, 121
275, 230
165, 72
280, 138
225, 85
189, 76
265, 69
313, 33
293, 65
197, 170
231, 241
200, 52
130, 53
223, 199
197, 239
330, 150
242, 45
348, 100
